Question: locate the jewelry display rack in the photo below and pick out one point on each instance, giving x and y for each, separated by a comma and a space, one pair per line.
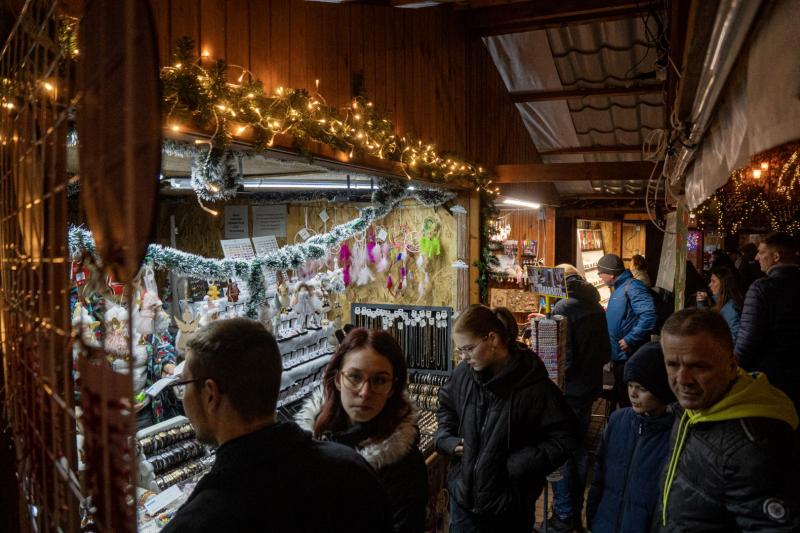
424, 333
169, 454
549, 340
425, 336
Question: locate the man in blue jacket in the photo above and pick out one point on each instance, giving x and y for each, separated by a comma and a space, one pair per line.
769, 335
631, 315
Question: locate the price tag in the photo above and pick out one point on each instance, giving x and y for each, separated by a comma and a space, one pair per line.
158, 502
304, 234
323, 215
382, 234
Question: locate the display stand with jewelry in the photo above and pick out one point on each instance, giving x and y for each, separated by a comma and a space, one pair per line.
424, 334
170, 462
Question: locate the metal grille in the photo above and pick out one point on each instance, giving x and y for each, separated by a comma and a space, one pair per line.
35, 92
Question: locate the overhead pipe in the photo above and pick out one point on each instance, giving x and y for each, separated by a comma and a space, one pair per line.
731, 26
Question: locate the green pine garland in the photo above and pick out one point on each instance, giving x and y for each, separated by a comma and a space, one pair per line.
197, 91
290, 257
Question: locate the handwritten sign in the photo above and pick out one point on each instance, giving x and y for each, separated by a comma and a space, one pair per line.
236, 222
269, 220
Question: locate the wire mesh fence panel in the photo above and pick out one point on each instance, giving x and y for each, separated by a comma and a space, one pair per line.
35, 93
70, 413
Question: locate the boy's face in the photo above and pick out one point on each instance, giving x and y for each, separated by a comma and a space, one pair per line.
643, 401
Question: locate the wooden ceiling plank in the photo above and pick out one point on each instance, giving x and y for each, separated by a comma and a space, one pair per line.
543, 172
595, 149
543, 96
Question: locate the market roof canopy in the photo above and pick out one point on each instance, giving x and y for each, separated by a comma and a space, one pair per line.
760, 108
586, 93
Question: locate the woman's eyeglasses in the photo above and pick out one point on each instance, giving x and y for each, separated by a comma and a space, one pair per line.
466, 351
354, 381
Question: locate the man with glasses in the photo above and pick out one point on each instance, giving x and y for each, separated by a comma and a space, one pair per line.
268, 475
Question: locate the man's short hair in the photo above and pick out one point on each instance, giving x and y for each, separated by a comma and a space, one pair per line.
784, 244
244, 359
693, 321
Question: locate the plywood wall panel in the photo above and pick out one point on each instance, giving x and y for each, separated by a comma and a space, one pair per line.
213, 31
237, 37
419, 64
260, 63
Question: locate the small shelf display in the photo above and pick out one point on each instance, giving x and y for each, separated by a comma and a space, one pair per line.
590, 250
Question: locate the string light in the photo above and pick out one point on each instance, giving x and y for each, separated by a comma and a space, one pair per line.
202, 95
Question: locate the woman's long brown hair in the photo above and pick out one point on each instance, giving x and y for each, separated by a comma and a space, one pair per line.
728, 288
332, 416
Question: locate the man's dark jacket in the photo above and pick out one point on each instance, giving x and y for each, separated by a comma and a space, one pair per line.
588, 346
769, 329
734, 475
516, 429
279, 479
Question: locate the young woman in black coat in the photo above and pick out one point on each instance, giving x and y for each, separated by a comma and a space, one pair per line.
362, 404
503, 421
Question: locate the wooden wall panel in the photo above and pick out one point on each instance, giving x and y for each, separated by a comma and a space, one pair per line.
417, 64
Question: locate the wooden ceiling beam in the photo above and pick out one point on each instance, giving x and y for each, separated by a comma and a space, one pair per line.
544, 96
596, 149
536, 15
543, 172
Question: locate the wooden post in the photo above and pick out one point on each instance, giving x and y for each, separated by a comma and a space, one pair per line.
474, 225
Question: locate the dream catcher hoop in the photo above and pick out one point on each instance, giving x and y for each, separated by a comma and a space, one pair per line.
305, 232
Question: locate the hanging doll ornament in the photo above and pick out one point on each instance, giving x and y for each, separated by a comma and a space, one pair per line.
303, 305
233, 291
429, 243
116, 341
213, 291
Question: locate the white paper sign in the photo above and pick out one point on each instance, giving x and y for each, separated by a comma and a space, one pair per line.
264, 246
236, 223
237, 248
161, 500
323, 215
304, 234
269, 220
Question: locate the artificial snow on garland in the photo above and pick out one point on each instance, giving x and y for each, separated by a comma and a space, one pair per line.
290, 257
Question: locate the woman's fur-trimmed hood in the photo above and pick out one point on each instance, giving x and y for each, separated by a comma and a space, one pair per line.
378, 454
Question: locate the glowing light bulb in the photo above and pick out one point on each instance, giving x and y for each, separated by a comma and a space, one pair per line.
178, 65
240, 130
764, 166
175, 127
206, 52
48, 86
756, 173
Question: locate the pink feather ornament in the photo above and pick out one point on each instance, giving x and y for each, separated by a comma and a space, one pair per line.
344, 257
389, 282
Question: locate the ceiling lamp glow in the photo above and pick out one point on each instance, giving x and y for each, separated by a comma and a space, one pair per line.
521, 203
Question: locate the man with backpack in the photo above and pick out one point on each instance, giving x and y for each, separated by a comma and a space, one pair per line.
631, 315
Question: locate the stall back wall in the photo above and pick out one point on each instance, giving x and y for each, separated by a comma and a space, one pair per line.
439, 85
200, 233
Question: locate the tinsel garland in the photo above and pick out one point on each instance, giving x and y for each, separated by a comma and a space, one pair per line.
290, 257
213, 171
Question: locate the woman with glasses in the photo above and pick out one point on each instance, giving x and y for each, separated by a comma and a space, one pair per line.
362, 404
503, 421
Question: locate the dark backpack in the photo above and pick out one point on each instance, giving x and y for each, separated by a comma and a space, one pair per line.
661, 301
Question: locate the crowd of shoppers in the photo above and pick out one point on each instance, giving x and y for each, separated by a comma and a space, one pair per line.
705, 439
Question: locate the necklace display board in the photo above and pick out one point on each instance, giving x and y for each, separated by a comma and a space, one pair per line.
424, 335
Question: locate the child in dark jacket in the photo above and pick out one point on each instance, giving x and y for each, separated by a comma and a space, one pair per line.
634, 449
